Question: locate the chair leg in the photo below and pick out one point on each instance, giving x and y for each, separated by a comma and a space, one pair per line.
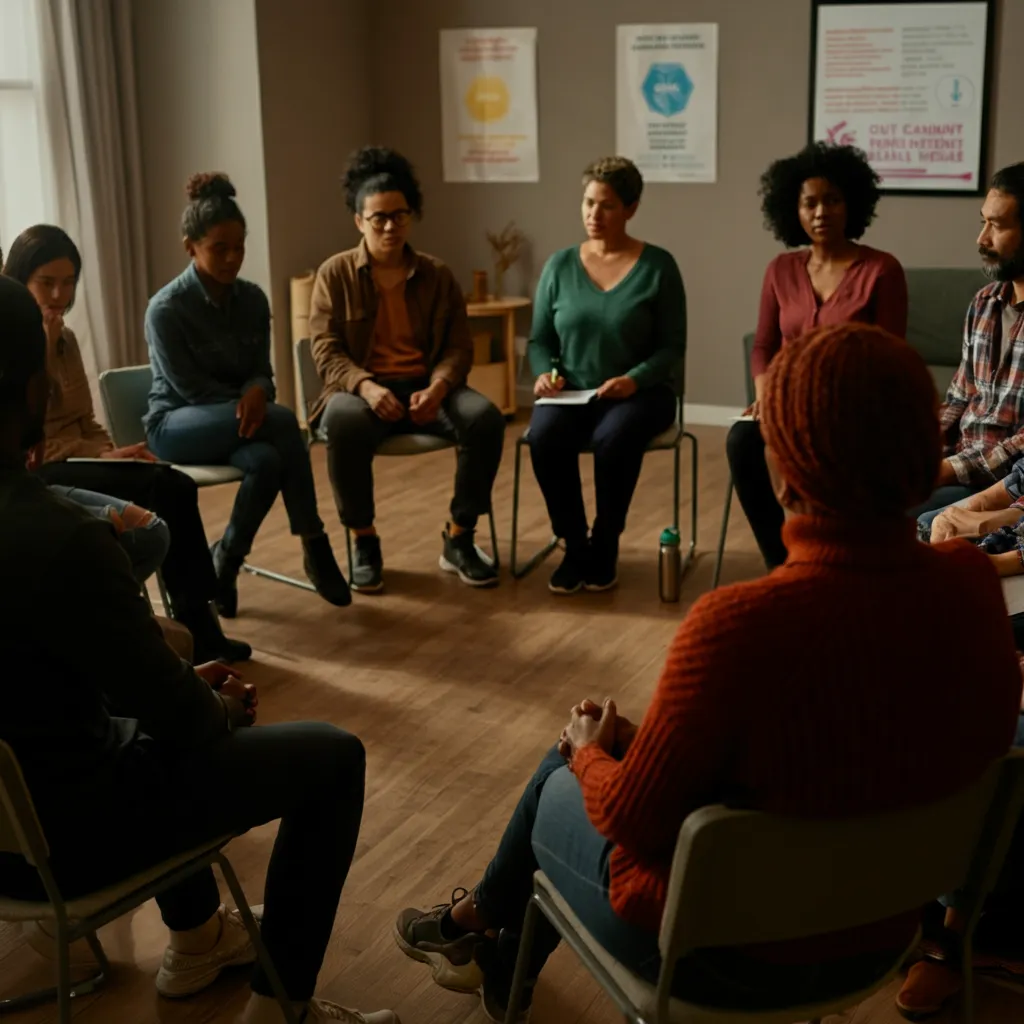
519, 571
64, 992
691, 553
348, 550
522, 961
496, 558
99, 952
257, 940
277, 577
164, 596
721, 536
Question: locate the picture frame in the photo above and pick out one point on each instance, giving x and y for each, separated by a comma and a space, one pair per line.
909, 82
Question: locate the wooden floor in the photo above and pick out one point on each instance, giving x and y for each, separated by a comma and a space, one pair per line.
456, 694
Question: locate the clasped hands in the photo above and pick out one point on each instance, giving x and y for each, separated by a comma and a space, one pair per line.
590, 722
240, 698
960, 522
424, 405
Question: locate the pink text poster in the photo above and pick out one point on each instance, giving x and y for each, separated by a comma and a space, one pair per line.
905, 82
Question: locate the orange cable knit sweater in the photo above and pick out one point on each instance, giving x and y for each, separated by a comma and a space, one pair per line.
846, 682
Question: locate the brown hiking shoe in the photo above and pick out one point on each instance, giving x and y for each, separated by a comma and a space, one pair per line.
418, 934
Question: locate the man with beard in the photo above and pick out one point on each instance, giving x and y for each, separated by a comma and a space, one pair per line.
983, 418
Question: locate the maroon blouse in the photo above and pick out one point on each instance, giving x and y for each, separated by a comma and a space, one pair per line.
872, 291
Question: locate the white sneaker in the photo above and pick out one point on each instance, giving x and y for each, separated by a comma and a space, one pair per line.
321, 1009
184, 974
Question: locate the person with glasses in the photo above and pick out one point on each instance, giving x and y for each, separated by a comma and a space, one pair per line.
212, 398
391, 342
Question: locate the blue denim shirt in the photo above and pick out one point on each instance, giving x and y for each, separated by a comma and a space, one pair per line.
203, 352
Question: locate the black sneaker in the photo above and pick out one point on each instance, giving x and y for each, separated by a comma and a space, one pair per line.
323, 572
367, 565
602, 571
462, 557
227, 568
569, 577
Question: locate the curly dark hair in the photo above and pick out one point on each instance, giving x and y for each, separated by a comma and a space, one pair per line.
375, 169
846, 167
621, 175
211, 201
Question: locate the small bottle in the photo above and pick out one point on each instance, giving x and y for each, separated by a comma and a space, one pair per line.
669, 565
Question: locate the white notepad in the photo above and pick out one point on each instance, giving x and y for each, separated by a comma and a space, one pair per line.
568, 398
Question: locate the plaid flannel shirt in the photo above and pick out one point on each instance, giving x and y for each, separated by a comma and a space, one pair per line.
983, 418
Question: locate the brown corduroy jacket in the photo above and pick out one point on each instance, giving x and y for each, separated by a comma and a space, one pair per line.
343, 312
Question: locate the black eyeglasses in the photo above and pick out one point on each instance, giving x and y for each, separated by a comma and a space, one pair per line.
379, 221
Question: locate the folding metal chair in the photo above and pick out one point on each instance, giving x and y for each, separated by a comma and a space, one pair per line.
21, 833
125, 396
310, 387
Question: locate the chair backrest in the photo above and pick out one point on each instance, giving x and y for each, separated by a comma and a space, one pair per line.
742, 877
125, 397
748, 359
20, 831
938, 302
310, 384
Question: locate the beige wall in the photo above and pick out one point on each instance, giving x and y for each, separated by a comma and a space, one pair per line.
314, 79
273, 92
199, 108
713, 230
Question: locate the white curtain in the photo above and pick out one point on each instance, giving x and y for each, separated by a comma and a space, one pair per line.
90, 124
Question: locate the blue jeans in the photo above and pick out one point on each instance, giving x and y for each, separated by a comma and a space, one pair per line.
550, 830
145, 546
275, 461
941, 499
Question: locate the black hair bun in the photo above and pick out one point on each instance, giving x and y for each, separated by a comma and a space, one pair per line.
210, 185
380, 169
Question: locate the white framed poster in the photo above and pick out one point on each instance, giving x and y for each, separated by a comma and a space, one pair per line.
908, 84
666, 107
489, 104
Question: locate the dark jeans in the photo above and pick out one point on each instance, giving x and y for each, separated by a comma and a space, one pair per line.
744, 448
618, 431
550, 830
309, 775
275, 461
353, 433
173, 496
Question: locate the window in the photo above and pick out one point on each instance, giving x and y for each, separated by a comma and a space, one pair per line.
22, 180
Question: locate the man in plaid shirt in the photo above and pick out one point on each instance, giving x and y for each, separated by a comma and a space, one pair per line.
983, 418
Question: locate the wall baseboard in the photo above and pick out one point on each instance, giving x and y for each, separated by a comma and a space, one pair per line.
711, 415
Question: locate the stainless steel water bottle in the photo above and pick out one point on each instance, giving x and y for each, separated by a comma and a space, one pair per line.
669, 565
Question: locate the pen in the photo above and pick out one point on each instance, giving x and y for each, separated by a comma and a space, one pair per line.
554, 374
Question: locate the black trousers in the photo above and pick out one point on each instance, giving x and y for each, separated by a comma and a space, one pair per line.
744, 448
353, 433
618, 431
173, 496
310, 775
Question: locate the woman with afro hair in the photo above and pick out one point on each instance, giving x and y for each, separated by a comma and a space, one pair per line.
817, 203
391, 342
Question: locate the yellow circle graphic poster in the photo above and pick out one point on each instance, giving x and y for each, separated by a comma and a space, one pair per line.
487, 99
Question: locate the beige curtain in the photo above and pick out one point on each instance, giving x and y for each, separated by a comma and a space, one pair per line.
90, 123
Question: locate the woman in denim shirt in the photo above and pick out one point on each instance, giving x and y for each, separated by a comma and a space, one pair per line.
212, 400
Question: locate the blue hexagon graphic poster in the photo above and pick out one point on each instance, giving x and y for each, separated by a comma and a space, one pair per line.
666, 107
667, 89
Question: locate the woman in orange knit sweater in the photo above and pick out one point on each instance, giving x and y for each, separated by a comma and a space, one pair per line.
818, 690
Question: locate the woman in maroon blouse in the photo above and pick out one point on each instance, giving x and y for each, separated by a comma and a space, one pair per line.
816, 203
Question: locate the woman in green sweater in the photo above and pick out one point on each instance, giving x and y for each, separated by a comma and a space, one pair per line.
610, 316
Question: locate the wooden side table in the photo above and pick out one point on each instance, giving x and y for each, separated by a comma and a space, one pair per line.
504, 310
